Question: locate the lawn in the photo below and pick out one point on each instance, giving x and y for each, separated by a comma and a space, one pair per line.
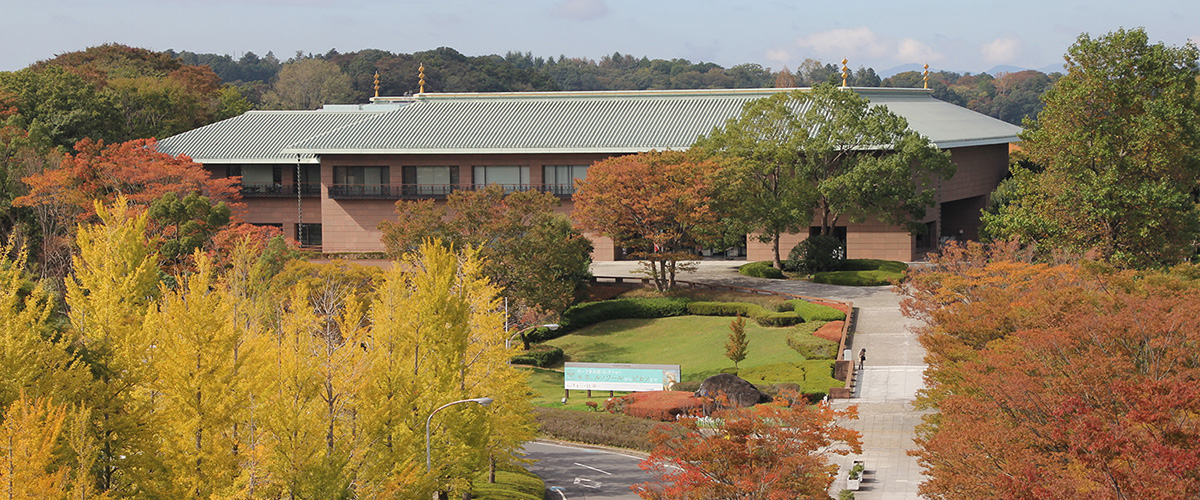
696, 343
512, 483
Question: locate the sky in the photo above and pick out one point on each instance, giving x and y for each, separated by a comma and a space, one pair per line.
959, 35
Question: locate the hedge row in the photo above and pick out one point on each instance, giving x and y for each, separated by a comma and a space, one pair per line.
590, 313
814, 377
664, 406
539, 355
812, 347
600, 428
755, 312
764, 269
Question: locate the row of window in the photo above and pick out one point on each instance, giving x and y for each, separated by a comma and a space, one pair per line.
441, 175
504, 175
416, 181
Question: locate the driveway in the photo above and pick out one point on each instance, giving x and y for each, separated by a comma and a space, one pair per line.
585, 473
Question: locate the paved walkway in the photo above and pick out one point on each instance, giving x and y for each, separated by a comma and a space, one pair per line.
884, 389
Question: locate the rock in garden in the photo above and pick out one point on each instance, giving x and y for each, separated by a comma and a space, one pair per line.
737, 392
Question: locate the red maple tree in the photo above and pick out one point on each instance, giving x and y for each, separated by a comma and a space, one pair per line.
771, 451
135, 169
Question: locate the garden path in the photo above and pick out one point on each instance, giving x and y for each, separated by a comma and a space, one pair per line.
884, 389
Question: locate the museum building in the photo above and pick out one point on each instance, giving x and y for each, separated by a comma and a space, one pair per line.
328, 177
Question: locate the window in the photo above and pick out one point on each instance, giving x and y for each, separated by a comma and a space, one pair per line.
560, 179
361, 176
511, 178
429, 181
233, 171
308, 235
361, 182
310, 180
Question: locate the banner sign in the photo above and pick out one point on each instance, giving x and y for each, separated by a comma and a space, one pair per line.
620, 377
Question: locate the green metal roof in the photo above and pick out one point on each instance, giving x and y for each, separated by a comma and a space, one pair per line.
260, 136
609, 122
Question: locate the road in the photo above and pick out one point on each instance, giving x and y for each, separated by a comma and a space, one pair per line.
585, 473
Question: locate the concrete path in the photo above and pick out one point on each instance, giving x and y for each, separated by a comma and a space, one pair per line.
884, 389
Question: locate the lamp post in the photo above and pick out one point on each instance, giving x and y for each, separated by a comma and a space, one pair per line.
521, 332
428, 460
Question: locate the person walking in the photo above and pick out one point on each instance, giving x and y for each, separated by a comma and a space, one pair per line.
862, 358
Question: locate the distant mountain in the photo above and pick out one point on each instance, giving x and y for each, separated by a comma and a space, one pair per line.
1053, 68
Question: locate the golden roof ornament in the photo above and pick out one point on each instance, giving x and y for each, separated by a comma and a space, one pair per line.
376, 83
926, 76
845, 71
421, 73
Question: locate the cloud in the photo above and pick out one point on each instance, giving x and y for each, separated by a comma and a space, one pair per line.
581, 10
911, 50
860, 45
1000, 50
779, 56
844, 41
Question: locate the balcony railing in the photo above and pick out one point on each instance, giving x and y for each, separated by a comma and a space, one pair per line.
274, 190
432, 191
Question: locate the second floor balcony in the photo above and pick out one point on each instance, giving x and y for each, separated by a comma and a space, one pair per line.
279, 190
431, 191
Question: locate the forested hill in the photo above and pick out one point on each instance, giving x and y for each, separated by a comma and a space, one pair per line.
1011, 97
116, 92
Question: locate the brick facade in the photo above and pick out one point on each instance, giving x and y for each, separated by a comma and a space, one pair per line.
351, 225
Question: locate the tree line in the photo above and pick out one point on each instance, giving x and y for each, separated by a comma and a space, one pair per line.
1011, 97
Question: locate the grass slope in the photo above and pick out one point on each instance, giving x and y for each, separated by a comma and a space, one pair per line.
696, 343
512, 483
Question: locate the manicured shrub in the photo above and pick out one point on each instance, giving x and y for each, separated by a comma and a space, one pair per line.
755, 312
864, 272
811, 346
778, 319
815, 312
814, 377
831, 331
665, 406
773, 373
590, 313
762, 269
816, 254
724, 309
605, 429
687, 386
540, 356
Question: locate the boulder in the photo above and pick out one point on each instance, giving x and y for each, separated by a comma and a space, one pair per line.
737, 392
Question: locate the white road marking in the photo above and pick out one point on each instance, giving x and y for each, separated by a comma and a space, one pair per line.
593, 468
587, 483
587, 450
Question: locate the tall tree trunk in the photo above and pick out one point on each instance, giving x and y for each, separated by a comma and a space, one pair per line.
775, 247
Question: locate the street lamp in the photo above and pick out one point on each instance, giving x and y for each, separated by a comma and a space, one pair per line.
521, 332
481, 401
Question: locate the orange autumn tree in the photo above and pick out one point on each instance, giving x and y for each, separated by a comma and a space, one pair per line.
64, 196
660, 204
771, 451
1057, 380
135, 169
